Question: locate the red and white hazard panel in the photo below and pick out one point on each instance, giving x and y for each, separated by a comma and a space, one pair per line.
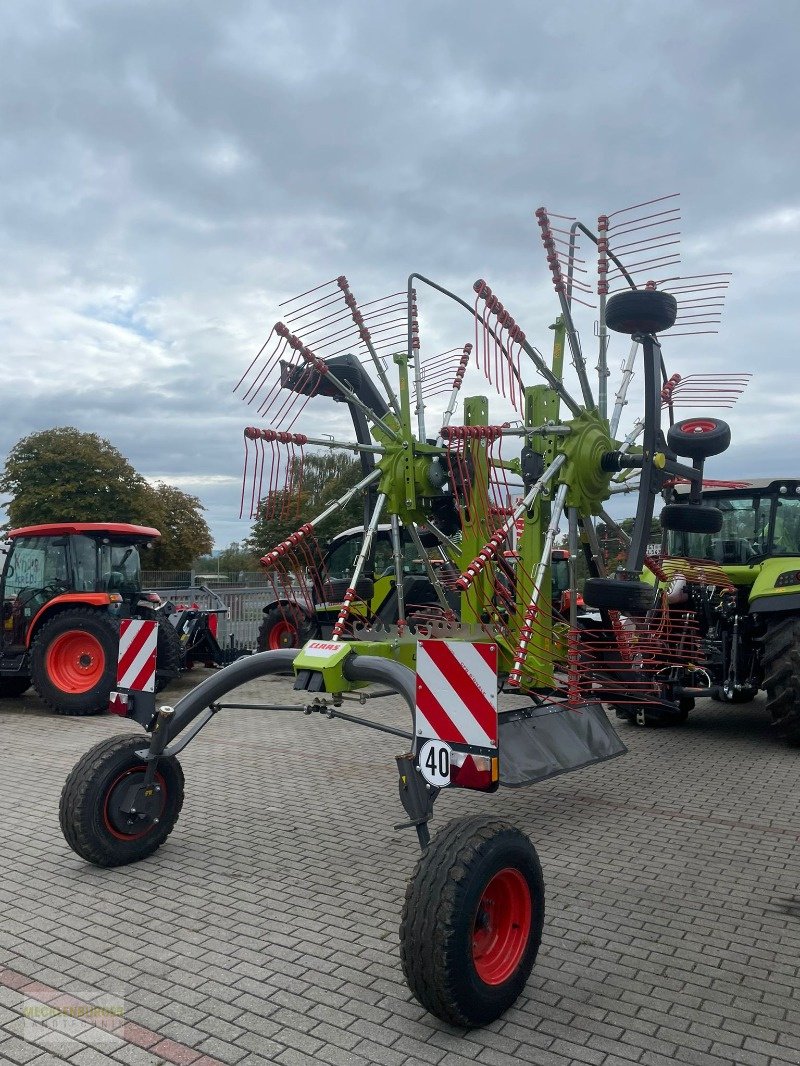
136, 663
457, 692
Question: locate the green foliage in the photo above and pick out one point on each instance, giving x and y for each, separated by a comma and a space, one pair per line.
231, 560
61, 475
326, 477
184, 531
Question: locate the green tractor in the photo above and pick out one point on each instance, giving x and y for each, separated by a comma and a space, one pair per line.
751, 624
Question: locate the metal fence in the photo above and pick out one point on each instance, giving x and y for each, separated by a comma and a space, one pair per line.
239, 626
173, 579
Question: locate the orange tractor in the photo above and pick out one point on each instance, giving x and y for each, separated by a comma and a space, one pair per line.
64, 588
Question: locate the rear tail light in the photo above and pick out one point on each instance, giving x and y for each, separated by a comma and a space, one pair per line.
479, 772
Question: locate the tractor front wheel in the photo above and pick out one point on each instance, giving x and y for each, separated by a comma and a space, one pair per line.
283, 627
782, 681
74, 661
106, 816
472, 920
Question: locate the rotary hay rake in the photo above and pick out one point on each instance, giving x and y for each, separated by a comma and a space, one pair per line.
498, 693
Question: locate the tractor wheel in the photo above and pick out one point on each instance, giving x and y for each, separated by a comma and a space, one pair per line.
472, 920
632, 597
699, 438
169, 654
283, 627
74, 661
95, 803
691, 518
782, 669
641, 311
11, 687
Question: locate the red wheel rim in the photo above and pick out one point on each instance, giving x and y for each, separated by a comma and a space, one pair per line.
113, 787
502, 926
75, 661
699, 425
282, 635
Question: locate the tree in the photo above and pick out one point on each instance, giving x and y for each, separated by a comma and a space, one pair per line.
231, 560
60, 475
184, 531
325, 477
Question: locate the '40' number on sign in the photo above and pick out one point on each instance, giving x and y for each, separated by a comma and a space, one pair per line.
434, 763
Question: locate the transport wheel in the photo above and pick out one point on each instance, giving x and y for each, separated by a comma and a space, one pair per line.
635, 597
13, 686
472, 920
691, 518
74, 661
781, 659
283, 627
97, 796
641, 311
699, 438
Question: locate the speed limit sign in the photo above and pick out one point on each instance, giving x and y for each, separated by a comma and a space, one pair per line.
434, 763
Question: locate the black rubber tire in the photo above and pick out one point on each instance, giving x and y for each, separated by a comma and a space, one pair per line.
641, 311
691, 518
440, 914
699, 438
169, 654
781, 659
605, 593
280, 616
100, 626
83, 807
11, 687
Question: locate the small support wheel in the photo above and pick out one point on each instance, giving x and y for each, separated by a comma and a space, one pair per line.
472, 920
641, 311
107, 816
691, 518
699, 438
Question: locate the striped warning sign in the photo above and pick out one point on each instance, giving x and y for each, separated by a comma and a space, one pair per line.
457, 692
136, 662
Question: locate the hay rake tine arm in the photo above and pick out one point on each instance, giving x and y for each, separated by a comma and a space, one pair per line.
492, 546
449, 544
437, 588
622, 392
533, 355
515, 675
363, 554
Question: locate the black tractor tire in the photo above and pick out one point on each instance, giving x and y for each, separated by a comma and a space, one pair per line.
472, 920
169, 654
781, 659
284, 627
91, 821
699, 438
11, 687
630, 597
641, 311
691, 518
74, 661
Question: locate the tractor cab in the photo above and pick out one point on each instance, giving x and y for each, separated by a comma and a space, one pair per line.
758, 545
89, 564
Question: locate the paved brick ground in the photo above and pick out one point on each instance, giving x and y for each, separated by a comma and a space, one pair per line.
265, 930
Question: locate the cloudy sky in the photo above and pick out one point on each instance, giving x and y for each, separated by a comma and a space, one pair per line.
172, 169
